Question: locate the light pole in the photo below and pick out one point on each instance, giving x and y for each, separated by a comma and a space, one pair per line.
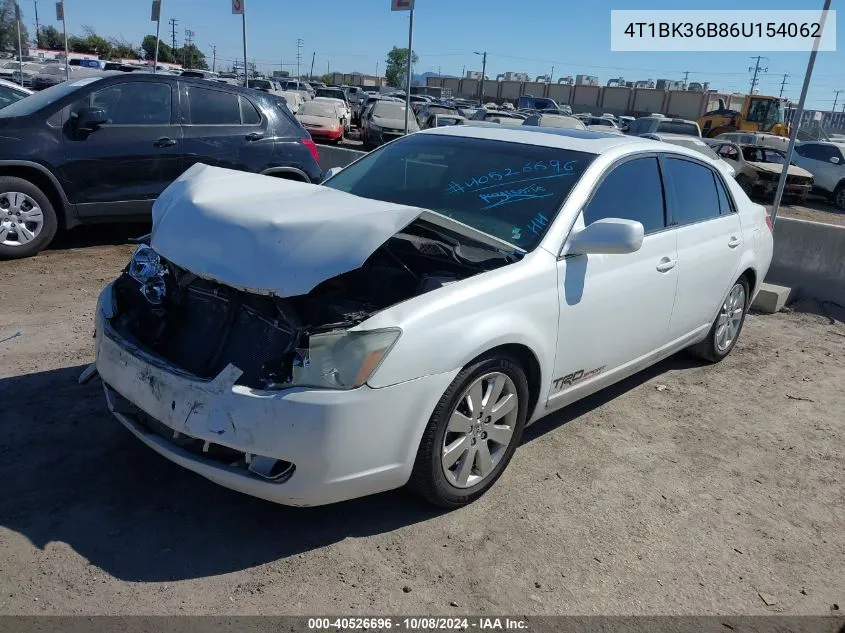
483, 72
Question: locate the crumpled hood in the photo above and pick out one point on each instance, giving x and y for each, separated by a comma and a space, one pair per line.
267, 235
774, 168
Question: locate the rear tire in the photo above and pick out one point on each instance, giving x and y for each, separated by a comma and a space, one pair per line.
727, 326
28, 222
481, 436
839, 196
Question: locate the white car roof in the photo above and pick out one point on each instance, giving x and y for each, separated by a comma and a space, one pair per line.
593, 142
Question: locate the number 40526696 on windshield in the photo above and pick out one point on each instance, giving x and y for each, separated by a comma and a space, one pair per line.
530, 171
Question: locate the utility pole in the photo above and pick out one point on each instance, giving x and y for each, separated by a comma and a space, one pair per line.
835, 99
173, 23
782, 84
213, 58
410, 68
189, 39
299, 44
793, 133
756, 70
463, 72
551, 75
313, 57
483, 72
686, 76
38, 28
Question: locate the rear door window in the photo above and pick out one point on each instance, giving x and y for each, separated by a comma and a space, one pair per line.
212, 107
693, 190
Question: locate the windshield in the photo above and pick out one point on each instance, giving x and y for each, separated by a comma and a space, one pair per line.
318, 108
766, 112
261, 83
331, 94
508, 190
678, 127
761, 155
39, 100
389, 109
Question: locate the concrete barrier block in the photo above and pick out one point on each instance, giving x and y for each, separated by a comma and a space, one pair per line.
771, 298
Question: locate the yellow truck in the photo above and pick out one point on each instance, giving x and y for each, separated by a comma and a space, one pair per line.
758, 114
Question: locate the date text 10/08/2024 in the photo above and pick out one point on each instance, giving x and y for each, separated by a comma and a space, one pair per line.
422, 623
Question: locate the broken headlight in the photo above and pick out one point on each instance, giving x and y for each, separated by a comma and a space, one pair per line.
341, 360
146, 268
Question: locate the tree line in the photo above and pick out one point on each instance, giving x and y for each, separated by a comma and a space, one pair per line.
92, 43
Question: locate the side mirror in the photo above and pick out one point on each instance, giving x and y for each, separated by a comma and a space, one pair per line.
834, 160
332, 172
89, 119
607, 236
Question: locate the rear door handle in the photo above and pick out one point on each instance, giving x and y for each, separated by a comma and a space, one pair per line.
254, 136
165, 142
734, 241
666, 264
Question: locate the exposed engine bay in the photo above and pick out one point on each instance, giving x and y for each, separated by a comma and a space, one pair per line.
201, 326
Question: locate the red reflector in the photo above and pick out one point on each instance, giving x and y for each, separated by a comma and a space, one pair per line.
769, 222
312, 147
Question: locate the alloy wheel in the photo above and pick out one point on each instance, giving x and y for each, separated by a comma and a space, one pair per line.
480, 430
730, 318
840, 198
21, 219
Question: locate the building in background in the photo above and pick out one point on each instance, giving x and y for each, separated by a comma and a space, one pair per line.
586, 80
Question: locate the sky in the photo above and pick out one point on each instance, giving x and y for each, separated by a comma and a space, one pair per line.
519, 35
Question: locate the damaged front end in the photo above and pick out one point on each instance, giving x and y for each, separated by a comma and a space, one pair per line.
201, 326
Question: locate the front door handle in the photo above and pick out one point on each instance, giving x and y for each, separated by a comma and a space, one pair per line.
254, 136
666, 264
165, 142
734, 241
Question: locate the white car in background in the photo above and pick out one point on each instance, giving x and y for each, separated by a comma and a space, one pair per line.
826, 161
342, 108
403, 322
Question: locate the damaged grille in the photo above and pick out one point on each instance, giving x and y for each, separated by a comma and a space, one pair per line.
202, 327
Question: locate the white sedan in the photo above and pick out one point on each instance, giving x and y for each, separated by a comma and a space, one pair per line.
402, 323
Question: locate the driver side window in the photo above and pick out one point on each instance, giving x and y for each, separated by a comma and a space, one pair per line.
631, 191
140, 103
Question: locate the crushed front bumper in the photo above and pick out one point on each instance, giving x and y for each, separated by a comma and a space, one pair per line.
342, 444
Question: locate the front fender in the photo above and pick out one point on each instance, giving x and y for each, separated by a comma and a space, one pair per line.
445, 329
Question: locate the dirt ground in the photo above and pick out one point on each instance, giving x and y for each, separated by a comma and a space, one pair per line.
817, 210
688, 489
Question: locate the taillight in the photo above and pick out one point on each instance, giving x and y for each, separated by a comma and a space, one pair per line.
769, 223
312, 147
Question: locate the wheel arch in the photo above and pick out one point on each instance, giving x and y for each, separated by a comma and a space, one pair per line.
287, 173
42, 178
527, 359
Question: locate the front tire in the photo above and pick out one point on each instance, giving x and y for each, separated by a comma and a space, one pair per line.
28, 222
725, 330
473, 433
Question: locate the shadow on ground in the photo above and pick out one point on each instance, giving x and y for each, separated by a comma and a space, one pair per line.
72, 474
100, 235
